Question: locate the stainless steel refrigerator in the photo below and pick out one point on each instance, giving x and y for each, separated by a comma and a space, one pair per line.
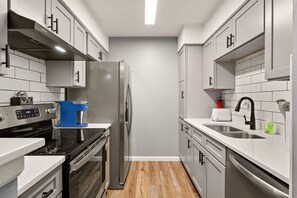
109, 97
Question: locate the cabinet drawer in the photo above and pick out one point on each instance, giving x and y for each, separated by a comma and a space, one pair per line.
198, 136
216, 149
187, 129
51, 184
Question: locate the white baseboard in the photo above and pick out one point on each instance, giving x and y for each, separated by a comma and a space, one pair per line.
156, 158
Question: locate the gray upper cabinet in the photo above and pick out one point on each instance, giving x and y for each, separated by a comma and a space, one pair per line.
215, 177
209, 64
278, 38
217, 75
32, 9
94, 50
222, 40
182, 64
80, 37
182, 99
64, 22
248, 22
3, 31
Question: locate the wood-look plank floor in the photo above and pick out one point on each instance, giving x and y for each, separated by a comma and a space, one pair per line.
156, 180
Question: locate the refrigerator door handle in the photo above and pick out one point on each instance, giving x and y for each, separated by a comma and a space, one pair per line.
130, 108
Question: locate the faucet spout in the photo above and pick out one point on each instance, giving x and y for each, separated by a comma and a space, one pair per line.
252, 122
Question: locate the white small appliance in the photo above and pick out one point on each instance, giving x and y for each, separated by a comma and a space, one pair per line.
221, 115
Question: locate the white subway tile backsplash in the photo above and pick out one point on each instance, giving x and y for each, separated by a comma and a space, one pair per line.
36, 86
252, 88
26, 56
274, 86
244, 65
36, 66
48, 97
278, 118
5, 96
27, 74
43, 78
252, 71
258, 60
13, 84
282, 95
270, 106
250, 81
243, 81
258, 78
262, 96
18, 61
35, 95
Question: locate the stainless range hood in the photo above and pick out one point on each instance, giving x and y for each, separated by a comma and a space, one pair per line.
29, 37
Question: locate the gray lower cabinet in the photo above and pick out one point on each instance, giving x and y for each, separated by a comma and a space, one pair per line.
205, 161
64, 22
50, 186
278, 38
198, 168
214, 177
71, 74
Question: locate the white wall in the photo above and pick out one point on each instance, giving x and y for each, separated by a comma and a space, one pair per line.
78, 7
154, 67
190, 34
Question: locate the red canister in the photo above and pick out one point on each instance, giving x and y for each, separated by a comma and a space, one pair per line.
219, 103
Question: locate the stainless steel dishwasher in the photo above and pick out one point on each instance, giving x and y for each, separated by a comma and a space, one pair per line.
246, 180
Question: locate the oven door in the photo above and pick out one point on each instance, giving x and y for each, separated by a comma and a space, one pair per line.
87, 171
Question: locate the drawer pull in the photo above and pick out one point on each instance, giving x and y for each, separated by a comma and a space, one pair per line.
47, 194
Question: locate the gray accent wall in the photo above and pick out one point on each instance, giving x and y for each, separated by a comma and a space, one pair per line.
154, 73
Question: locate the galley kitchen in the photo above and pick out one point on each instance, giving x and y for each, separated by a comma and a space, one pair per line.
148, 98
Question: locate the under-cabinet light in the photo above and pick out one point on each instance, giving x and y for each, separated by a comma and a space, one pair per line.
150, 11
60, 49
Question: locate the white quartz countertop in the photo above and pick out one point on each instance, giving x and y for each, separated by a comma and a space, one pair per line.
271, 153
37, 167
90, 126
12, 148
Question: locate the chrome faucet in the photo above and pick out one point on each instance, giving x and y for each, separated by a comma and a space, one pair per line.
252, 122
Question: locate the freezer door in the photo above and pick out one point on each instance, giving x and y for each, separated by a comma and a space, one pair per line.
125, 122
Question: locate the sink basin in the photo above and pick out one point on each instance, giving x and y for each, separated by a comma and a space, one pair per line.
222, 128
243, 135
233, 132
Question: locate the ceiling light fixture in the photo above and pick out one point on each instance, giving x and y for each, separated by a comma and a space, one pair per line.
150, 11
60, 49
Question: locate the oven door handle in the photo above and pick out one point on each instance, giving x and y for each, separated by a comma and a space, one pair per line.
89, 156
274, 192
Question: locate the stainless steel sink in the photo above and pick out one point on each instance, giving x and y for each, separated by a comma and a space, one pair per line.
233, 132
243, 135
222, 128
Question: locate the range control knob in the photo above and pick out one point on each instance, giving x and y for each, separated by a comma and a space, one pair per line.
1, 117
50, 111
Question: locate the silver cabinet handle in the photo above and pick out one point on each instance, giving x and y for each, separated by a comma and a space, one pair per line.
269, 189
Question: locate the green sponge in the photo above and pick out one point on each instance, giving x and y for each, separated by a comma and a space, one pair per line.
269, 128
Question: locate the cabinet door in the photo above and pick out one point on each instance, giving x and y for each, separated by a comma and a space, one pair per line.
198, 169
92, 47
278, 38
182, 99
3, 31
208, 65
32, 9
107, 163
64, 22
182, 64
181, 139
189, 154
214, 178
222, 42
79, 78
80, 38
248, 22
